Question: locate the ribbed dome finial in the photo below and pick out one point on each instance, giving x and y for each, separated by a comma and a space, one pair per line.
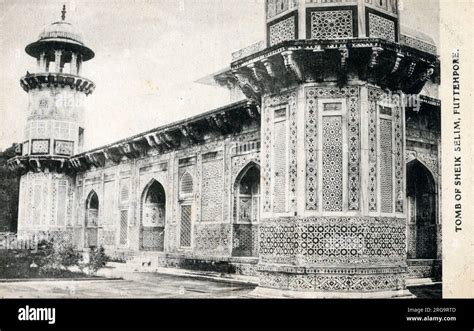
63, 13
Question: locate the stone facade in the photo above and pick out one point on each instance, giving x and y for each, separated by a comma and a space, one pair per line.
306, 184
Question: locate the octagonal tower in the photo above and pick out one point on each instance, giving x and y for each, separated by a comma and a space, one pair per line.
54, 129
333, 83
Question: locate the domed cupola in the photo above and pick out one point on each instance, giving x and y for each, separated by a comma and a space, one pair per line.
61, 43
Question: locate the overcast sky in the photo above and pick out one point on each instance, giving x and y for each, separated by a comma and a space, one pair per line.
148, 56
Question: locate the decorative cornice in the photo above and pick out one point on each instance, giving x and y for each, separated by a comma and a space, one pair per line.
383, 63
47, 79
196, 130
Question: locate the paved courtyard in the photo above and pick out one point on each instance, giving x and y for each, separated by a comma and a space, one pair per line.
142, 285
150, 285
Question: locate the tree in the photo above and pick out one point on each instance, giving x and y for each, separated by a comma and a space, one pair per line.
9, 190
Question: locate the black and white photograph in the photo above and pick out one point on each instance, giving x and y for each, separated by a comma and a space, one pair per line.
224, 149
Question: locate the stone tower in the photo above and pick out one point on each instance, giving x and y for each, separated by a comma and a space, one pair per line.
54, 129
332, 83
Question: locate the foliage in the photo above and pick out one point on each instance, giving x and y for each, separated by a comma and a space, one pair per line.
97, 260
9, 189
69, 257
51, 260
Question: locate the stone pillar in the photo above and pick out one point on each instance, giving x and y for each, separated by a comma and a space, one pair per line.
42, 62
74, 64
79, 64
57, 60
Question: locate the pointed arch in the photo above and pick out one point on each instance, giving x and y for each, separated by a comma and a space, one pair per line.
91, 219
186, 184
247, 185
92, 201
152, 216
246, 210
422, 202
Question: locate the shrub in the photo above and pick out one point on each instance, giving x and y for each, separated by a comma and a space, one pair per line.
68, 256
97, 260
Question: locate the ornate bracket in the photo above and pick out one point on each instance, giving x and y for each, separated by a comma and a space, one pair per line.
398, 60
291, 65
344, 56
374, 57
269, 67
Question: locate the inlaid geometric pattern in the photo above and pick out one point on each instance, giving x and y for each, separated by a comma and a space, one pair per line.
283, 30
386, 168
212, 239
212, 186
40, 146
359, 283
333, 241
63, 147
331, 24
267, 124
399, 159
152, 238
332, 283
332, 163
419, 44
374, 96
313, 94
425, 241
185, 230
244, 240
380, 27
293, 163
353, 132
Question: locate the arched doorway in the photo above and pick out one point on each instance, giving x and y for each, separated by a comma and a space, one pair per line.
421, 197
246, 213
91, 220
153, 215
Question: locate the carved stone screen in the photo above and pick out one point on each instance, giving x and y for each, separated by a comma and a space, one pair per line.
330, 24
185, 231
123, 227
40, 146
282, 30
62, 147
380, 27
332, 163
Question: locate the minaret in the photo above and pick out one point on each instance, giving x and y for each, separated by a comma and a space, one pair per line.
330, 84
54, 129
